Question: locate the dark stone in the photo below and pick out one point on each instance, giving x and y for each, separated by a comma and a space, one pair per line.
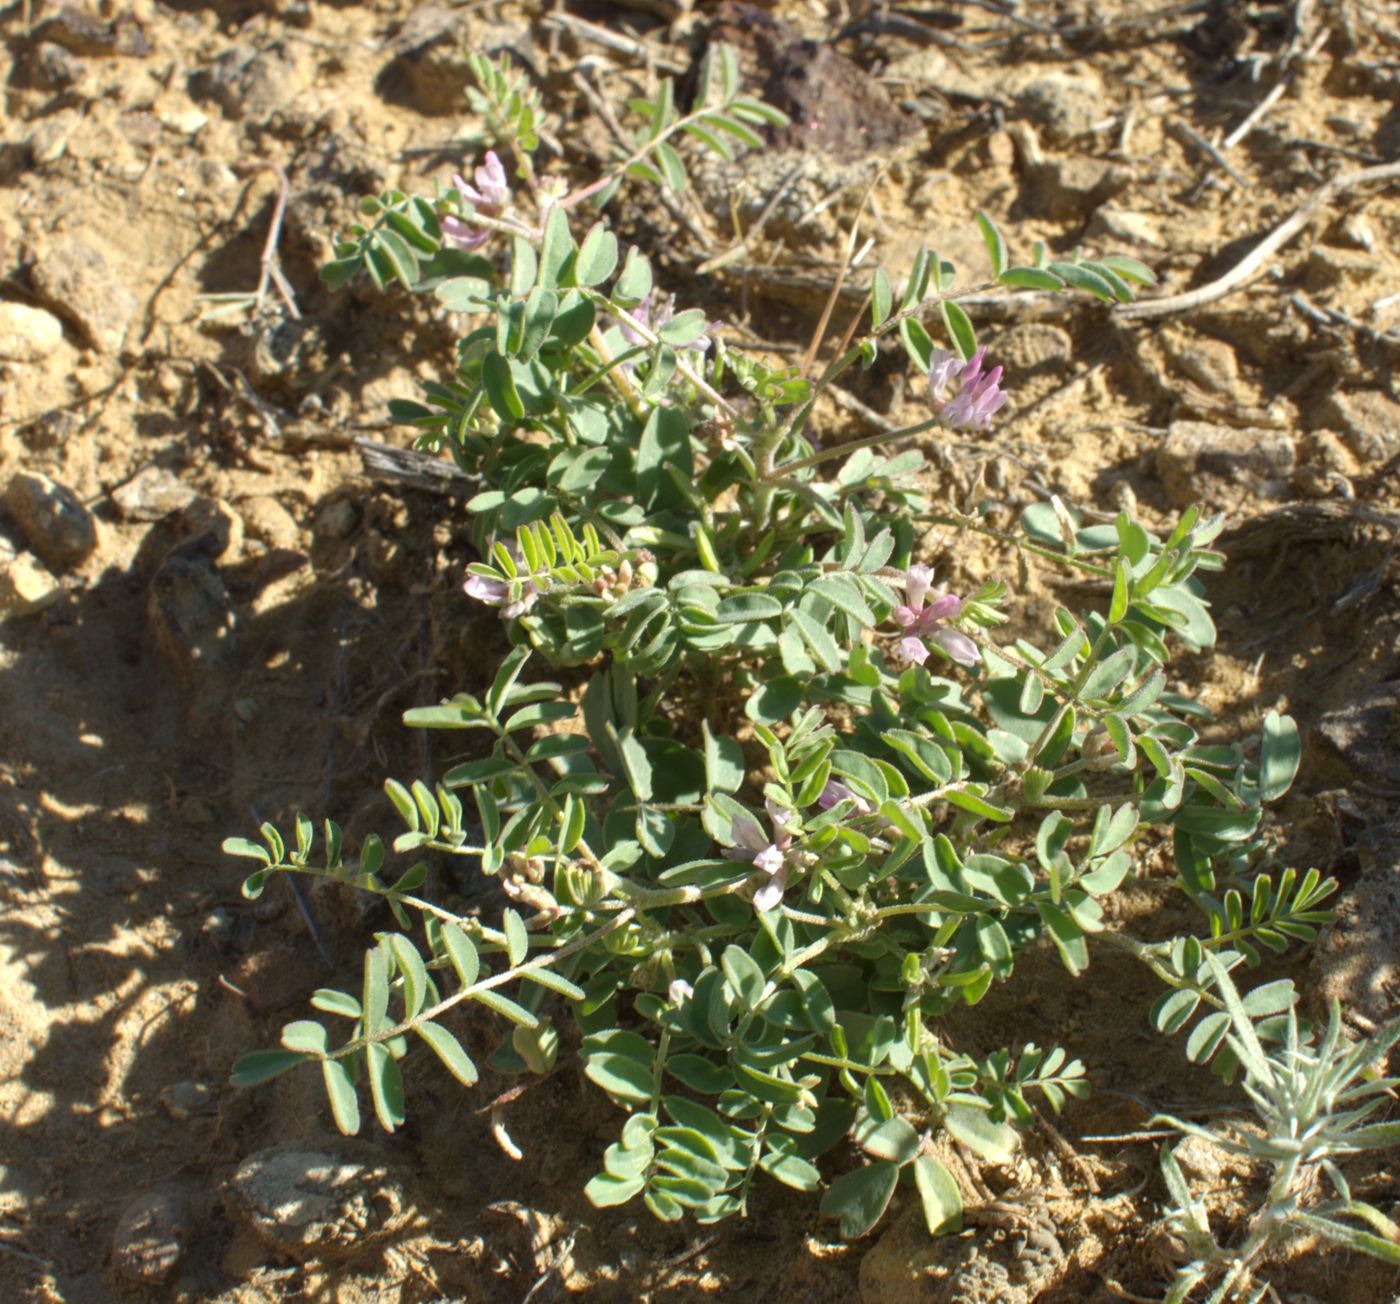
52, 519
150, 1237
835, 106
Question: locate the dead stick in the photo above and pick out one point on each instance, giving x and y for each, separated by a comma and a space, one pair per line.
1264, 250
270, 270
1198, 142
1256, 115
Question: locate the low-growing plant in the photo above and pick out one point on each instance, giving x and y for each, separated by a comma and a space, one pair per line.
794, 798
1315, 1100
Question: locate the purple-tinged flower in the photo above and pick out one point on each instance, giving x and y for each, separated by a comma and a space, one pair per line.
977, 393
679, 991
925, 622
490, 196
769, 856
665, 310
836, 792
497, 593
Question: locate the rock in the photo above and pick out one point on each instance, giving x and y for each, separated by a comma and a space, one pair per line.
152, 494
385, 556
26, 586
184, 121
1353, 232
191, 617
989, 1263
1064, 105
218, 932
150, 1237
837, 109
214, 518
81, 32
80, 284
1125, 226
1210, 363
52, 519
1195, 453
1365, 733
56, 67
1209, 1166
48, 142
931, 68
266, 519
28, 334
302, 1202
1357, 959
1368, 420
337, 519
249, 82
1031, 349
186, 1100
1067, 189
1001, 149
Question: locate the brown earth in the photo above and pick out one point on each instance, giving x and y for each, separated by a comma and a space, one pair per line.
241, 640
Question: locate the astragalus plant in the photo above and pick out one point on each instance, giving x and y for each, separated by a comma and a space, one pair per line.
790, 797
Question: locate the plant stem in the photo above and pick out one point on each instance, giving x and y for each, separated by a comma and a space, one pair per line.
855, 445
541, 961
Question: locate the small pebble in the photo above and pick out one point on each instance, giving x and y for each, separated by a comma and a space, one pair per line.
26, 586
151, 495
338, 519
189, 611
266, 519
149, 1238
80, 283
186, 1100
52, 519
28, 334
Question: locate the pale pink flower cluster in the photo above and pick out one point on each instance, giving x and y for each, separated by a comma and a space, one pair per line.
769, 855
489, 197
975, 394
923, 624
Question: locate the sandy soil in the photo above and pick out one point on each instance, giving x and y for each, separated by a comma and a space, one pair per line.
257, 611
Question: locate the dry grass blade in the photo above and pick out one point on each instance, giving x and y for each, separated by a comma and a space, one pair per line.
847, 257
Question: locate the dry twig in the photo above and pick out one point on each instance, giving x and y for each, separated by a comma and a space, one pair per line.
241, 301
1264, 250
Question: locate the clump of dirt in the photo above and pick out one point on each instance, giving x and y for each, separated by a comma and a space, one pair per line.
211, 613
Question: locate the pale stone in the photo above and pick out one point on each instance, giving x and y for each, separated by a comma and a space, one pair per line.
28, 334
25, 586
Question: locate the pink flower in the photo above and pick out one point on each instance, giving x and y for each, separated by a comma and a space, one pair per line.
665, 311
770, 857
978, 393
922, 622
679, 991
497, 593
490, 196
836, 792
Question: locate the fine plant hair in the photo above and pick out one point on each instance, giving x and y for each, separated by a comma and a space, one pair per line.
1315, 1100
791, 798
